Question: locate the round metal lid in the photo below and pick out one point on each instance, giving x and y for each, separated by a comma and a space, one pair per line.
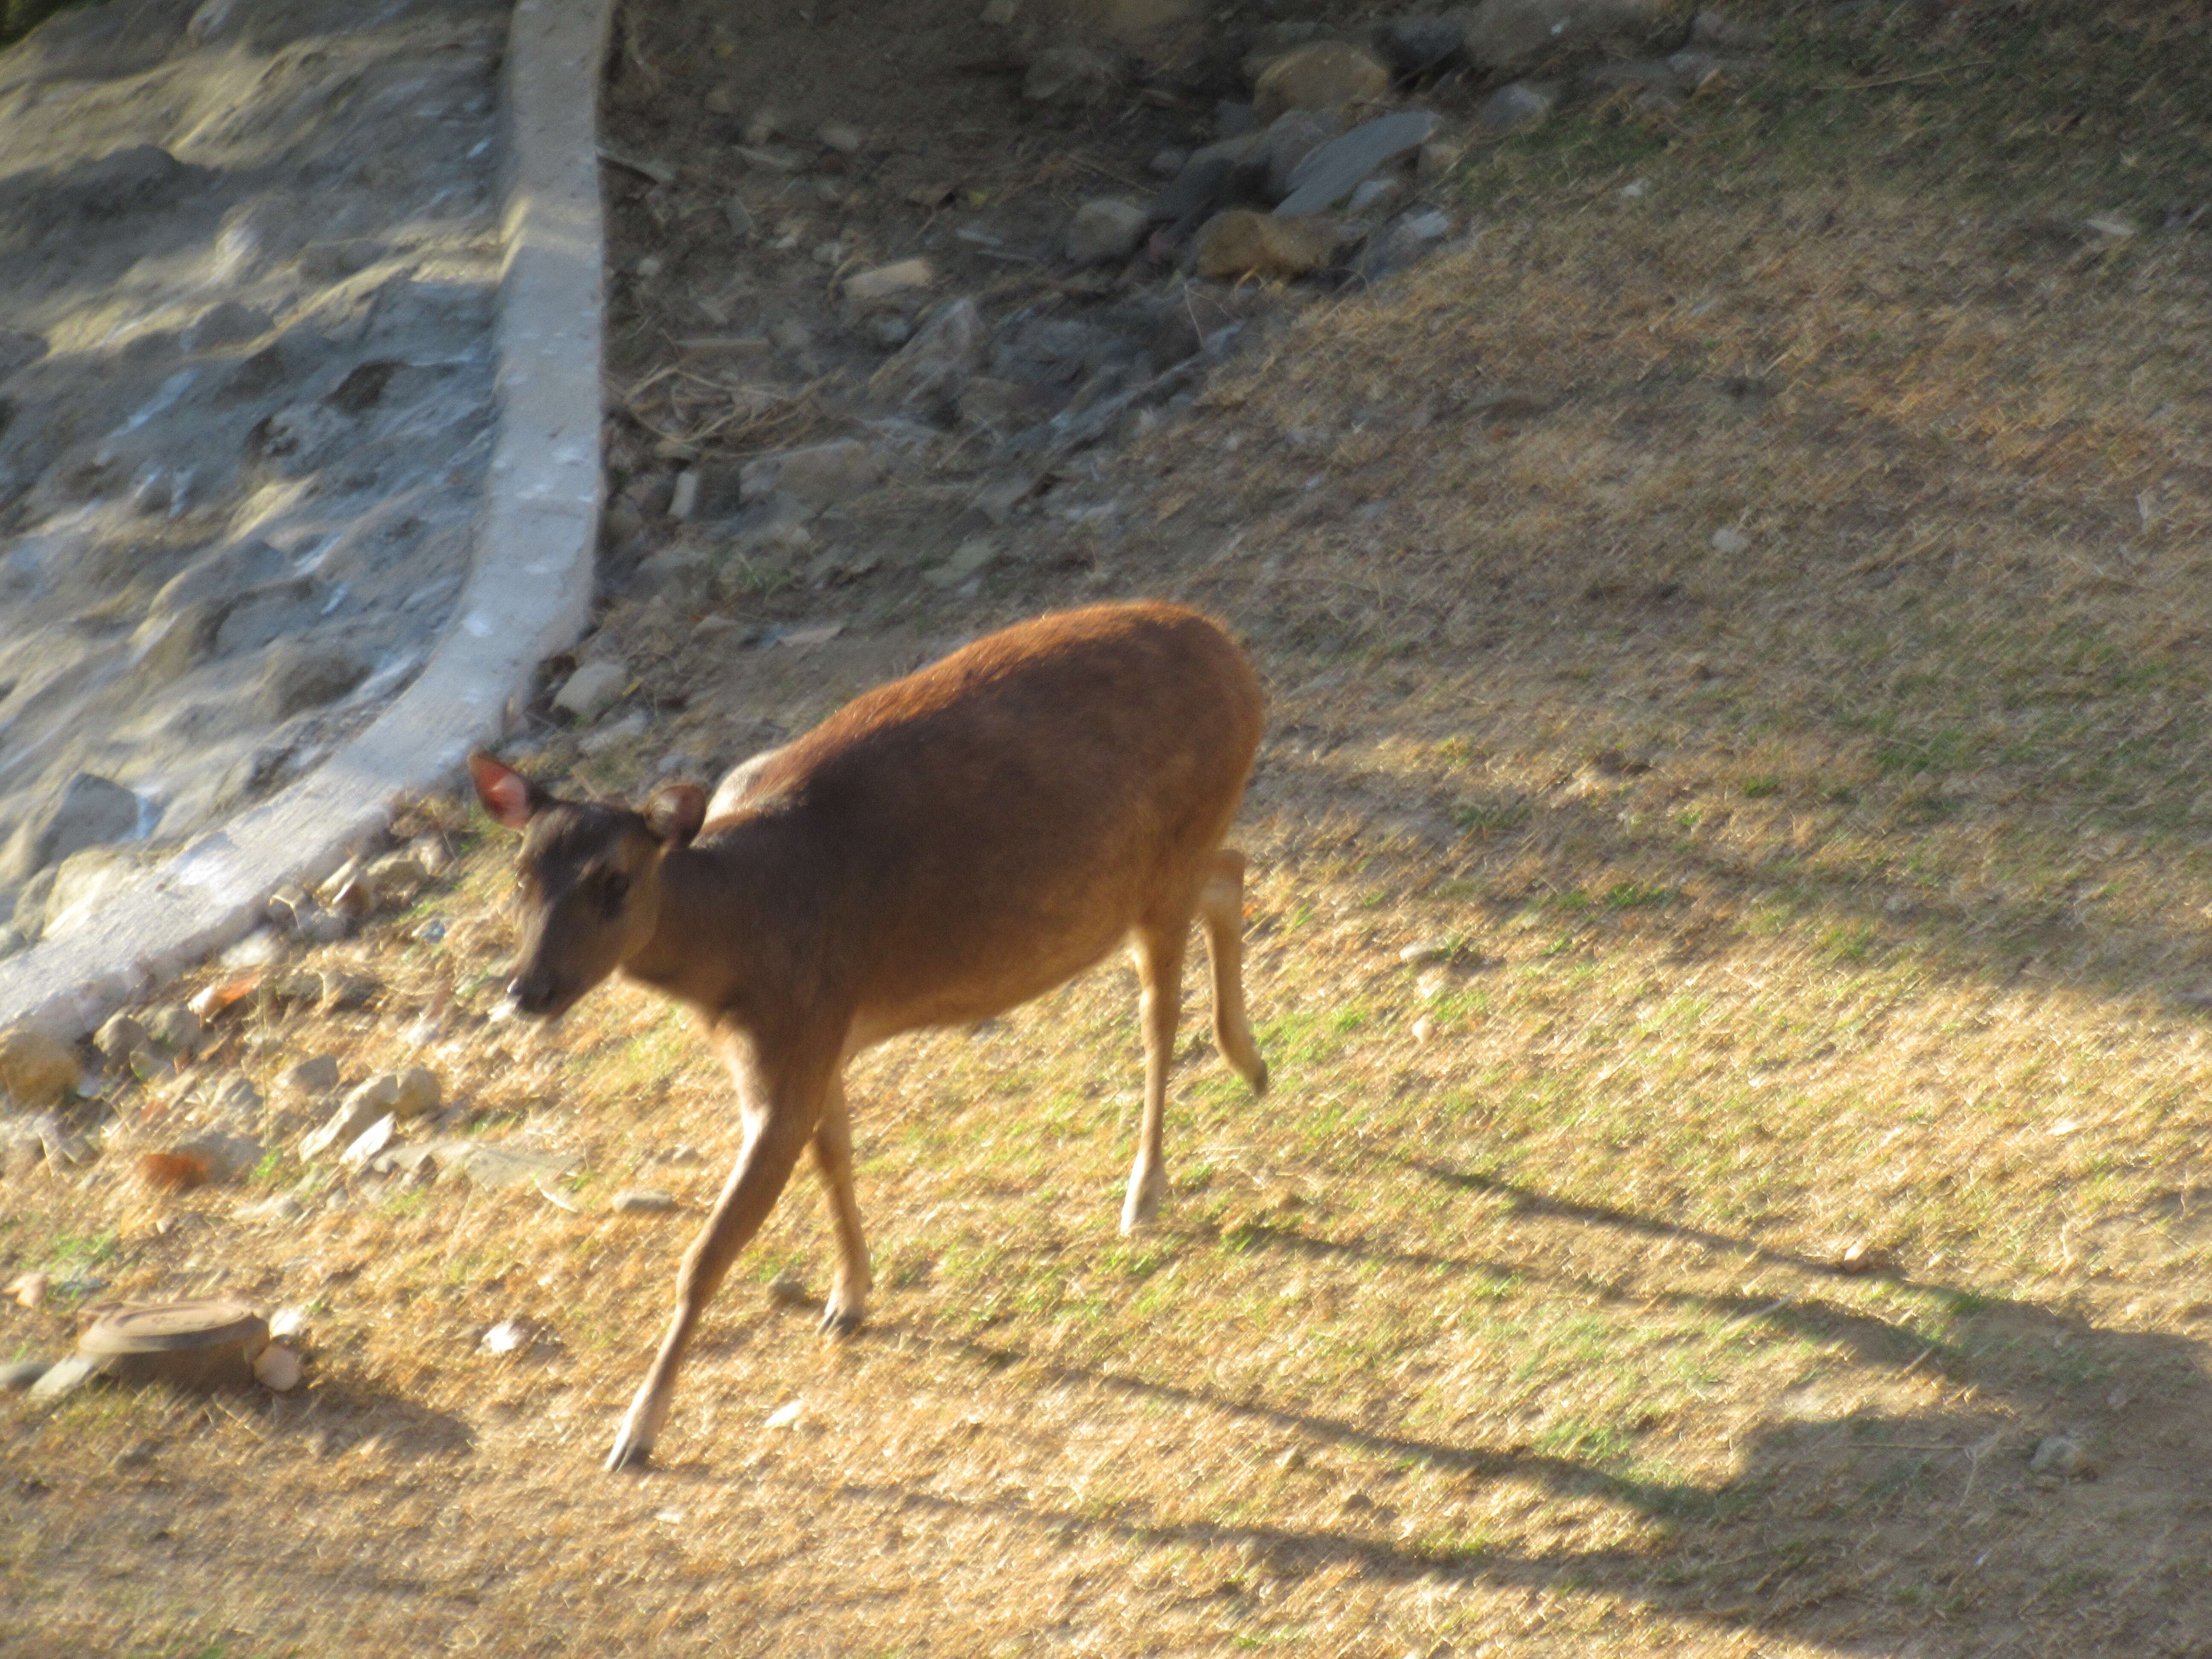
171, 1328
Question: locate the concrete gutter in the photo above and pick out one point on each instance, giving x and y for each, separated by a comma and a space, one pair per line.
528, 594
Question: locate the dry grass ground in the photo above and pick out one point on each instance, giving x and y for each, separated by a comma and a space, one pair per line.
1836, 900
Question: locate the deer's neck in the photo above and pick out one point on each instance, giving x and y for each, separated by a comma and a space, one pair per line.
736, 928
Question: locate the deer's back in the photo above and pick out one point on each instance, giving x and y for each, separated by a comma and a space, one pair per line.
996, 821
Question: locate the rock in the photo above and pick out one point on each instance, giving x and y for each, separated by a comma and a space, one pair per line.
630, 725
593, 689
298, 677
367, 1102
342, 990
1290, 137
395, 877
1139, 22
432, 853
887, 284
221, 323
277, 1367
1071, 75
999, 14
1730, 540
1375, 193
37, 1071
767, 160
295, 911
1437, 157
1326, 75
272, 1212
1332, 172
1399, 243
27, 1289
224, 1157
63, 1378
418, 1095
1167, 161
120, 1037
424, 1158
890, 329
789, 334
1104, 229
777, 527
1723, 32
992, 404
510, 1165
971, 558
61, 1146
176, 1028
90, 811
369, 1142
817, 476
76, 890
763, 124
1242, 243
19, 1374
1516, 105
1182, 325
1415, 45
507, 1336
641, 1200
1208, 180
934, 365
236, 1099
312, 1077
1628, 75
2059, 1456
840, 136
1692, 69
1232, 119
19, 351
1499, 33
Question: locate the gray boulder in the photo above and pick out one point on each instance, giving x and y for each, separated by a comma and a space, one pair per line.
1334, 170
90, 811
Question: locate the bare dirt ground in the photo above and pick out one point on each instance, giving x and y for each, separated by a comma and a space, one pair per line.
1734, 1181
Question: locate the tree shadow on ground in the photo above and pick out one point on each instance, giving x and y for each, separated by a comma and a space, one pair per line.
1553, 846
1866, 1531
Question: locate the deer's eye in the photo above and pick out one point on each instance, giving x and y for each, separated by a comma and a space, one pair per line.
614, 887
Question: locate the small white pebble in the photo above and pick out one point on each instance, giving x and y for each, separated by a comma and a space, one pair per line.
277, 1367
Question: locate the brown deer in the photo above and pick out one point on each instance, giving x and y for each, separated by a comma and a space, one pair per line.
937, 851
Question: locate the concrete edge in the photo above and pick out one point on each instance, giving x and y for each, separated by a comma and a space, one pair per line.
529, 589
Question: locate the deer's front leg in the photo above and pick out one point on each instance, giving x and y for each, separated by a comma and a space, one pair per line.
780, 1120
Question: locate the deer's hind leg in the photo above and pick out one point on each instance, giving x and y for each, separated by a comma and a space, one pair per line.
1221, 909
833, 1162
1159, 949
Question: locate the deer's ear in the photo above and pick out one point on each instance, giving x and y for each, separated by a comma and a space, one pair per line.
508, 796
675, 813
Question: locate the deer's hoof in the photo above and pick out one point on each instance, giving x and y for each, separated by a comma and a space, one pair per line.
626, 1459
839, 1323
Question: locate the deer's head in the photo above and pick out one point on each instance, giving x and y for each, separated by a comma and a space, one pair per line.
587, 882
